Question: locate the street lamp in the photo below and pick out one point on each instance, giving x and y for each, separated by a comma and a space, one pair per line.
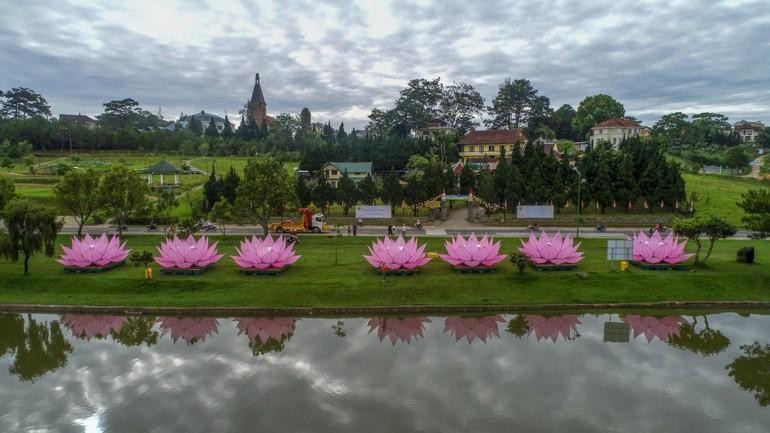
577, 222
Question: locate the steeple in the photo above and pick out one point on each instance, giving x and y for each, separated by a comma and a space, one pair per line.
256, 96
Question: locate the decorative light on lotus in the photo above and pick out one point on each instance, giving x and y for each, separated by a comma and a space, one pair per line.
265, 254
554, 250
396, 254
651, 327
189, 329
89, 326
187, 253
654, 249
99, 252
472, 328
398, 329
472, 252
551, 327
265, 329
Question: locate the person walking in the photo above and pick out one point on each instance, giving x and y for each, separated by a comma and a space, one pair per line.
390, 230
348, 229
355, 229
403, 229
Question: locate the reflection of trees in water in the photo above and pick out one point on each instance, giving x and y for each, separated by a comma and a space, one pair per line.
751, 371
706, 342
266, 334
518, 326
39, 347
137, 330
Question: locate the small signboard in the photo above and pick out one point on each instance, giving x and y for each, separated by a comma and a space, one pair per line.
365, 212
620, 249
534, 212
616, 332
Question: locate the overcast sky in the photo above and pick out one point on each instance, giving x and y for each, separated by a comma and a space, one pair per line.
340, 59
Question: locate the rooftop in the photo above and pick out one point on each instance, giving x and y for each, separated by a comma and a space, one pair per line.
618, 123
353, 167
495, 136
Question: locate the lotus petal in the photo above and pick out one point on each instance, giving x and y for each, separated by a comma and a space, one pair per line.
396, 254
555, 249
654, 249
267, 253
187, 253
93, 252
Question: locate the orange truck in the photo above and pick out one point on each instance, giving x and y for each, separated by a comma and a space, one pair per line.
309, 222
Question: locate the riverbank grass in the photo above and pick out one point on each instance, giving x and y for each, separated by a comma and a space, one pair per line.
333, 273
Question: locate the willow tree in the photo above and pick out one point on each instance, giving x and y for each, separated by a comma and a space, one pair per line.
30, 228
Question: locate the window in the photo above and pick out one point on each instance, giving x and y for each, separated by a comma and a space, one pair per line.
471, 148
334, 172
491, 148
614, 140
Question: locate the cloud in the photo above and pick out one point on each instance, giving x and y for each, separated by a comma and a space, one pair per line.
340, 59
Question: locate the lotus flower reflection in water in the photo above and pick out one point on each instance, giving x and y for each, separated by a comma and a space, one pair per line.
189, 329
551, 327
94, 252
256, 253
651, 327
472, 252
654, 249
187, 253
265, 329
472, 328
398, 329
556, 250
396, 254
88, 326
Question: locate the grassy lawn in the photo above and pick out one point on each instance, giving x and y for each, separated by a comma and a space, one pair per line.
718, 195
317, 281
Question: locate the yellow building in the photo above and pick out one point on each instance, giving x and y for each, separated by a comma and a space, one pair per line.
486, 145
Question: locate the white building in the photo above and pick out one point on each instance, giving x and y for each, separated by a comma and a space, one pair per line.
748, 131
613, 131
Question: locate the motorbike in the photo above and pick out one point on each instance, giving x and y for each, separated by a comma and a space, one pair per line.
152, 227
600, 228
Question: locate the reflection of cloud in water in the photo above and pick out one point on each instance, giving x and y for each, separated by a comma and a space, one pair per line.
325, 383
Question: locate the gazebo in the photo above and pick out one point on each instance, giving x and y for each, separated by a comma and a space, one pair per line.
162, 168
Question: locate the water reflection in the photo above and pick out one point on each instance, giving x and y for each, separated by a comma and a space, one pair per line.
266, 334
118, 368
397, 329
191, 330
472, 328
653, 327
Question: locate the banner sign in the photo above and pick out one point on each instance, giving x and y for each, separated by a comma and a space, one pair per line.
543, 212
618, 249
364, 212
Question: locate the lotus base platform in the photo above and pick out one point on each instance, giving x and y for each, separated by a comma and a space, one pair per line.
658, 266
474, 269
400, 272
551, 267
273, 272
188, 271
95, 269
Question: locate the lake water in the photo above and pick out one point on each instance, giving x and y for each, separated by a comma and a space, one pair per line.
495, 373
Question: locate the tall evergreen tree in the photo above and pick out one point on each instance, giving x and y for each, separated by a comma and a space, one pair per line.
227, 131
501, 177
347, 194
467, 179
212, 189
392, 193
230, 185
367, 190
195, 126
211, 130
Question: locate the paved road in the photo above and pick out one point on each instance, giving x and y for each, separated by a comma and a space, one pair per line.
382, 231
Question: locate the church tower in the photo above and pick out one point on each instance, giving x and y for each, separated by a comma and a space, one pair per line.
257, 105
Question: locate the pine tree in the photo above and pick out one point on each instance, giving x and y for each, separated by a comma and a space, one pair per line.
212, 189
227, 132
230, 185
347, 194
392, 193
486, 189
367, 190
211, 130
514, 186
415, 193
467, 179
624, 184
303, 192
501, 176
323, 193
195, 126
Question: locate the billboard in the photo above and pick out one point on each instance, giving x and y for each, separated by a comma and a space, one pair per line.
544, 212
620, 249
364, 212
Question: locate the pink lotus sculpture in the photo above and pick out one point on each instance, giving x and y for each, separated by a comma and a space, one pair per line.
398, 329
189, 329
472, 328
396, 254
551, 327
187, 254
654, 249
97, 252
651, 327
89, 326
555, 250
265, 329
262, 254
472, 252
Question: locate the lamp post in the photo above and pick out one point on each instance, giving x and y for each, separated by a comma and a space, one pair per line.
577, 221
